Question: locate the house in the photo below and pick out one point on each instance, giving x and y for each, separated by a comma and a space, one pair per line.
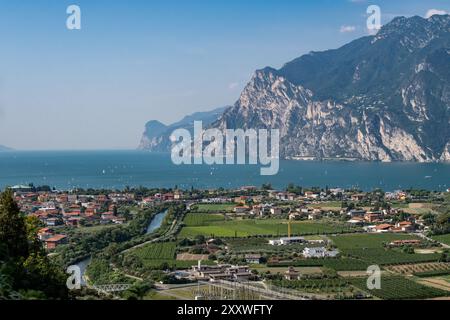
256, 211
358, 197
311, 195
356, 221
56, 240
356, 213
291, 274
315, 215
382, 228
319, 252
373, 216
405, 226
275, 211
45, 233
242, 209
399, 243
286, 241
253, 258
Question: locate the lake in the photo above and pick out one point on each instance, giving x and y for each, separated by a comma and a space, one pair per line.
117, 169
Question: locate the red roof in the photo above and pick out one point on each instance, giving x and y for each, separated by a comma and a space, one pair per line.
56, 238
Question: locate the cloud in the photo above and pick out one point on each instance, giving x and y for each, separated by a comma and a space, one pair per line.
432, 12
346, 29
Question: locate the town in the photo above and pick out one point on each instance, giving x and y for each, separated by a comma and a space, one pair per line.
297, 243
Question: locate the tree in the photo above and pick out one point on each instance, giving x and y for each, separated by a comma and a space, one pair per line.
13, 233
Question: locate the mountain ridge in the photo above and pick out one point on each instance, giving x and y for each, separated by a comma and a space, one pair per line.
384, 97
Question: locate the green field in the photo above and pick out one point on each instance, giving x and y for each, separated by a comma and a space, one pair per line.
362, 241
157, 251
381, 256
272, 227
156, 254
399, 288
214, 208
443, 238
202, 219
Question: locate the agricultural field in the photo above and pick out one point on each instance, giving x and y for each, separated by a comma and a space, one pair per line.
344, 264
367, 241
270, 227
399, 288
214, 208
157, 254
443, 238
202, 219
422, 269
382, 257
324, 286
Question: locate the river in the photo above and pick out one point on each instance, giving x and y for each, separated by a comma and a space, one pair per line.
156, 222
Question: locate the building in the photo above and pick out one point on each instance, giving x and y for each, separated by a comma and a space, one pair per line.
56, 240
221, 272
286, 241
253, 258
291, 274
319, 252
275, 211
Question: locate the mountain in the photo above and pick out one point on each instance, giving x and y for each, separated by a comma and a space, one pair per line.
380, 98
3, 148
156, 137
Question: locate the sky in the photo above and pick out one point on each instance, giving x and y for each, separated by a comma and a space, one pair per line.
140, 60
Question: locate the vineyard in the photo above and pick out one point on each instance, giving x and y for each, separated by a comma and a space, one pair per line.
315, 285
365, 241
157, 251
422, 269
399, 288
381, 256
335, 264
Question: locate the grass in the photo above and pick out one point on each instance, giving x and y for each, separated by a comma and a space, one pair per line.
399, 288
443, 238
218, 208
202, 219
272, 227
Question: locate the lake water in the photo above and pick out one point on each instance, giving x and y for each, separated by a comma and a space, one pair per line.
156, 222
117, 169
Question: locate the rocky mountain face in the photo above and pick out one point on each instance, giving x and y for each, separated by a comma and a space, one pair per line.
383, 98
156, 137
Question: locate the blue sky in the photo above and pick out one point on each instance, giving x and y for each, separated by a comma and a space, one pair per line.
134, 61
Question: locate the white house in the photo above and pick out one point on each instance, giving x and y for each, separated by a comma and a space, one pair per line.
319, 252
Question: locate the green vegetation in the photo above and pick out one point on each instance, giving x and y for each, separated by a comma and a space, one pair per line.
270, 227
362, 241
399, 288
25, 270
158, 256
381, 256
315, 285
214, 208
433, 273
201, 219
445, 238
